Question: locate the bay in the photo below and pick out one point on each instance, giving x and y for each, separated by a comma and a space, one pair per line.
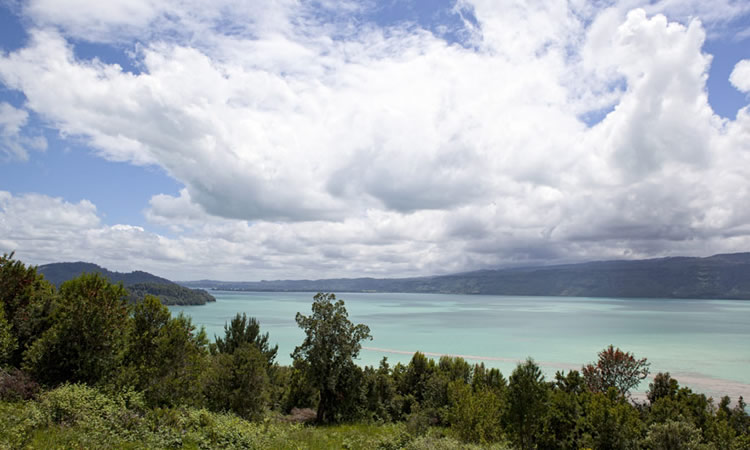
704, 344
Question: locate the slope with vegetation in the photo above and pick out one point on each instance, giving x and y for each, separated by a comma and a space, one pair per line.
719, 276
81, 368
138, 283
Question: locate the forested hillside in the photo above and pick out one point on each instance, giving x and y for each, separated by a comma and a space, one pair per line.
720, 276
138, 283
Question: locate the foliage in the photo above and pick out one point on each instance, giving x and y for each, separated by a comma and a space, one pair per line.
301, 391
242, 330
673, 435
238, 382
27, 300
87, 340
610, 422
165, 356
169, 293
331, 343
380, 393
16, 385
565, 412
527, 398
8, 342
615, 369
663, 386
476, 415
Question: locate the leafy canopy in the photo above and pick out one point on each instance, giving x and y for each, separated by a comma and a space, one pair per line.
615, 369
331, 342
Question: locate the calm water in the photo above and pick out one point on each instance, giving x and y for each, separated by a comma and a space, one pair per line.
703, 343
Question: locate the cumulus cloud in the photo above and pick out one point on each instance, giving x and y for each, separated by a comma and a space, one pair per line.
740, 76
311, 146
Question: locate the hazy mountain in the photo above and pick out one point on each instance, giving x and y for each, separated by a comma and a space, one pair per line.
720, 276
138, 283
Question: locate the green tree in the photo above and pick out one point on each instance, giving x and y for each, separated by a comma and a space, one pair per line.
245, 330
331, 343
238, 382
673, 435
166, 355
527, 398
8, 342
663, 386
617, 369
475, 416
86, 342
610, 422
300, 391
416, 375
27, 300
381, 392
564, 412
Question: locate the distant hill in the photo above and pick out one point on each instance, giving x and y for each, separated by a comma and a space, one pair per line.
137, 283
724, 276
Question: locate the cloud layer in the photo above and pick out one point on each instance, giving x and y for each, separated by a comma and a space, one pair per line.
313, 144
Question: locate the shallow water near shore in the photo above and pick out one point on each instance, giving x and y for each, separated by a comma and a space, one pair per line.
704, 344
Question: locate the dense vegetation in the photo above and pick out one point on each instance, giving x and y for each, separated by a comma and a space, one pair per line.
138, 283
719, 276
82, 367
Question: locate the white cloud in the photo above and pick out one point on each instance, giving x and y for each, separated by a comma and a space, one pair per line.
740, 77
14, 144
326, 150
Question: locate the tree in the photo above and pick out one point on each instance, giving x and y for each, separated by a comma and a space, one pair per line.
238, 382
475, 416
88, 336
243, 330
331, 343
242, 368
165, 355
617, 369
609, 421
27, 300
663, 386
527, 396
673, 435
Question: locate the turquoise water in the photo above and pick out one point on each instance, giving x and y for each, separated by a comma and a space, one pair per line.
703, 343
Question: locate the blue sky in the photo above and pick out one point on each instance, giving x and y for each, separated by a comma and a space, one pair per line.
344, 138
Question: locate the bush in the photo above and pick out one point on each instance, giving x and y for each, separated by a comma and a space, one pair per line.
476, 416
673, 435
16, 385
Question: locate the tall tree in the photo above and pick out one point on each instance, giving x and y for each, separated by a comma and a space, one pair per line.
245, 330
331, 343
527, 396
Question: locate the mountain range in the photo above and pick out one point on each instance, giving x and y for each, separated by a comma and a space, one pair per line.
724, 276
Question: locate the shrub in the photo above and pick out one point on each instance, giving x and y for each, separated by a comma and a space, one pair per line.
16, 385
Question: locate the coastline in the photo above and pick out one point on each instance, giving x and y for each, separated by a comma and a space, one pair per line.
710, 386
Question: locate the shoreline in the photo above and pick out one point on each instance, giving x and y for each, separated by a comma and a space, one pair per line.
710, 386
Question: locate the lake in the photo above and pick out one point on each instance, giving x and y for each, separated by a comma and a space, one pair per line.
704, 344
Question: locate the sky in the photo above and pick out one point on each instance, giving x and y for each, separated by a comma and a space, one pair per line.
245, 140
